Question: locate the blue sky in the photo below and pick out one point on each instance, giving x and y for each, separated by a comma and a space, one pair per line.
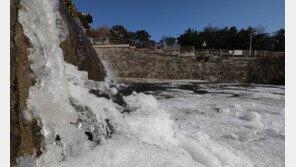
173, 17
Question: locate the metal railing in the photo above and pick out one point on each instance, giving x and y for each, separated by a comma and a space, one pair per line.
180, 49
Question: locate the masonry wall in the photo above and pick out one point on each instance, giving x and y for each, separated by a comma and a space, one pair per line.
126, 63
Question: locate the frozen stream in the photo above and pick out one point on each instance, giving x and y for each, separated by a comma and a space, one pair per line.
248, 120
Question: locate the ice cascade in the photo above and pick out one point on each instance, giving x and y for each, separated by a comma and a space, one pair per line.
82, 129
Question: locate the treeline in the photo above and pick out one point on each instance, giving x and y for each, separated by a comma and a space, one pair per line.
209, 38
121, 34
231, 38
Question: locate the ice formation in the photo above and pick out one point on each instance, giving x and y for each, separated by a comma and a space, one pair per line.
148, 136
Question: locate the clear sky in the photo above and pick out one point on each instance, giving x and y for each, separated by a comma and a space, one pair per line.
173, 17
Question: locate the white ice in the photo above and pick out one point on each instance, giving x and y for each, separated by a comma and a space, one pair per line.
251, 123
187, 130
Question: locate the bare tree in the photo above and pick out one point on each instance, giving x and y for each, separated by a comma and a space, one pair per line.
168, 41
261, 29
100, 32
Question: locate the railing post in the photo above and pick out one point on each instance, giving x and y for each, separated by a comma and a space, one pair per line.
203, 56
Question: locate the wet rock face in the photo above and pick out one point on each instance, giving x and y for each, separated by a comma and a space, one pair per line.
78, 49
25, 136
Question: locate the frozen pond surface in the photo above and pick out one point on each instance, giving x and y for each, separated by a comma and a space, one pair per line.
247, 119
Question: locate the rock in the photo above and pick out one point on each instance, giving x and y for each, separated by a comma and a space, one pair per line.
25, 136
77, 48
89, 135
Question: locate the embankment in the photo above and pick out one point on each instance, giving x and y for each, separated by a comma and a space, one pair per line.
127, 63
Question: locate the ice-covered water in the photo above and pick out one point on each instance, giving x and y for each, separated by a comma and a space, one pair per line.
247, 120
227, 126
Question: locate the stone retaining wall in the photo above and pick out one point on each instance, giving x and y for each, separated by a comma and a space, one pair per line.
126, 63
